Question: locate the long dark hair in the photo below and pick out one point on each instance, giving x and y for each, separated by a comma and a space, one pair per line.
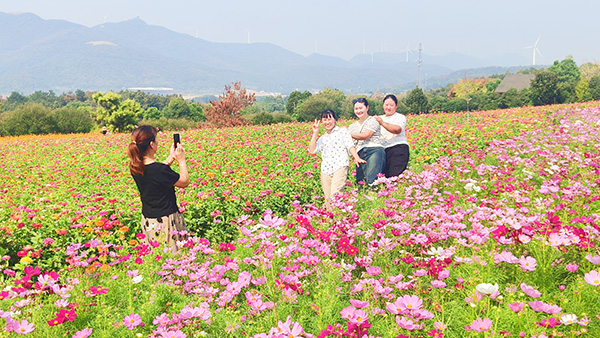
138, 147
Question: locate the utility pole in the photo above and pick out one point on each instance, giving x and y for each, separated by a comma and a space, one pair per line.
419, 62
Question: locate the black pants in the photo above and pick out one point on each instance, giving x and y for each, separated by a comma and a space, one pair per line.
396, 160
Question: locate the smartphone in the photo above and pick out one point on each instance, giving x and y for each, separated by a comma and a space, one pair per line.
176, 139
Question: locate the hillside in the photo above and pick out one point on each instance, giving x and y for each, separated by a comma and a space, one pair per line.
38, 54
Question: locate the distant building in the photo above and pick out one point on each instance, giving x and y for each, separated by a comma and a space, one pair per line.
516, 81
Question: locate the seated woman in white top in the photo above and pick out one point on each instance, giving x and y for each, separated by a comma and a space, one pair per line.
367, 139
394, 137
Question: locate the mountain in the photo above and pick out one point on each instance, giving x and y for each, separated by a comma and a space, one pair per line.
38, 54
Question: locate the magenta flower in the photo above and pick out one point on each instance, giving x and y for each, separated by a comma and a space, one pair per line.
530, 291
82, 334
131, 321
550, 322
24, 327
516, 306
592, 278
480, 325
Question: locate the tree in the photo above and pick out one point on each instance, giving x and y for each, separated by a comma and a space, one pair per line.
152, 113
72, 120
582, 91
225, 111
544, 88
311, 108
568, 77
594, 87
295, 98
116, 115
514, 98
177, 108
589, 70
416, 101
29, 118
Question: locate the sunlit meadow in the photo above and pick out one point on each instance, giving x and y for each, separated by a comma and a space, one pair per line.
492, 232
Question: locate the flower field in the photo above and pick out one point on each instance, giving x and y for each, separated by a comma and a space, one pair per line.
492, 232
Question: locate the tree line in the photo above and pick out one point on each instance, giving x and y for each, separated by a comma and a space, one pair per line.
87, 111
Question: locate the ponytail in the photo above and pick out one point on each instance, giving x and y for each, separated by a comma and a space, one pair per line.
141, 137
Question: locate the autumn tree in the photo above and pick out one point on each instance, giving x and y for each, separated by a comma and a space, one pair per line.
225, 111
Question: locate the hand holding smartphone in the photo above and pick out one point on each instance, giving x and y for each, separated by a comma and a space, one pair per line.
176, 139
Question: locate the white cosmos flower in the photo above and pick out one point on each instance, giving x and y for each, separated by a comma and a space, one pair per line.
137, 279
568, 319
435, 251
487, 288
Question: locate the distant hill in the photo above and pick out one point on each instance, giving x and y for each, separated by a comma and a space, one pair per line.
38, 54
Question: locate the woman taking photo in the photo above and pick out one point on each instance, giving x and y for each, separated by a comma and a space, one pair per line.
394, 137
367, 139
156, 182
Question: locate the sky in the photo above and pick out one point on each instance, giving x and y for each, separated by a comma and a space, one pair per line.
346, 28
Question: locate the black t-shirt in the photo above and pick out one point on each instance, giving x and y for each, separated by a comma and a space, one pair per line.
157, 191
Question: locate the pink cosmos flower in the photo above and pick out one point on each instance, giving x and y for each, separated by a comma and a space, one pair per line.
406, 323
348, 312
516, 306
359, 317
592, 278
593, 259
572, 267
530, 291
438, 284
538, 306
82, 334
131, 321
480, 325
23, 327
359, 304
527, 263
444, 274
373, 270
173, 334
409, 302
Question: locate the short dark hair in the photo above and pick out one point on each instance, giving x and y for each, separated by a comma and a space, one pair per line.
391, 96
361, 100
329, 113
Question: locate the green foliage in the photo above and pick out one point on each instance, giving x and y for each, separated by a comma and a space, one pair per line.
262, 118
328, 98
164, 123
30, 118
594, 87
416, 101
116, 115
544, 88
73, 120
514, 98
152, 113
582, 91
295, 99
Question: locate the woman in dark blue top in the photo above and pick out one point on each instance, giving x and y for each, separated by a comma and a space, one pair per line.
156, 182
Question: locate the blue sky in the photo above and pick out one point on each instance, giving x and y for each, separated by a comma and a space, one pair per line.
346, 28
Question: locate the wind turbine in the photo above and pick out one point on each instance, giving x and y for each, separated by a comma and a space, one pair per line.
407, 51
534, 49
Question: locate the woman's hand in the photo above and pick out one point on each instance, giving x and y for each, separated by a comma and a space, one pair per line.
315, 127
178, 153
378, 119
358, 161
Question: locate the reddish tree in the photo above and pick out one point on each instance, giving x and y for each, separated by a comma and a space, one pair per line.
225, 111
